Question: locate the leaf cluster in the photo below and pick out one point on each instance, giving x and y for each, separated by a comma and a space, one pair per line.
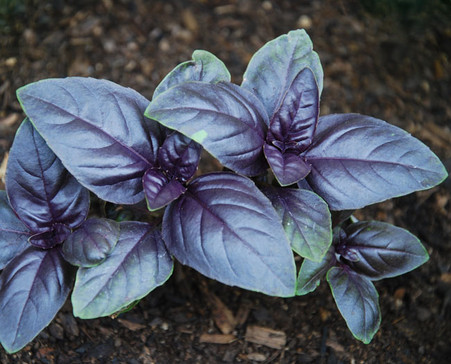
103, 191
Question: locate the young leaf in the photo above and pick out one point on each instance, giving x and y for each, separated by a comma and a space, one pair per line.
138, 264
33, 287
228, 121
311, 273
357, 300
179, 156
225, 228
97, 129
358, 160
41, 191
160, 190
91, 243
204, 67
13, 233
294, 122
305, 219
273, 68
47, 239
382, 250
288, 167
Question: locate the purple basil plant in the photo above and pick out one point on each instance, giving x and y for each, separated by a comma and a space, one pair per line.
285, 170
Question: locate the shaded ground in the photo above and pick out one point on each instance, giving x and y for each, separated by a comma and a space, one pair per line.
392, 63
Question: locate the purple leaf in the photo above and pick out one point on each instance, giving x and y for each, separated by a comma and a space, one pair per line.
225, 228
50, 238
311, 273
13, 233
273, 68
138, 264
358, 302
228, 121
381, 250
204, 67
41, 191
305, 219
160, 190
294, 122
358, 160
179, 156
288, 167
91, 243
33, 287
98, 130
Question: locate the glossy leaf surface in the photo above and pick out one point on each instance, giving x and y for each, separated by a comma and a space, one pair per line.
358, 302
138, 264
97, 129
305, 219
294, 122
41, 191
228, 121
273, 68
311, 273
381, 250
225, 228
288, 167
179, 156
204, 66
358, 160
33, 287
13, 233
91, 243
160, 190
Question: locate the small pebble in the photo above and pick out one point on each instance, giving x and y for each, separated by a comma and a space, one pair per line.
304, 22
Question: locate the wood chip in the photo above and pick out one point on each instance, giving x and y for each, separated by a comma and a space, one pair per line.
190, 21
133, 326
446, 278
222, 315
265, 336
256, 357
217, 338
8, 121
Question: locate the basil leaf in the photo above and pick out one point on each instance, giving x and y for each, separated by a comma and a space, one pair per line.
225, 228
138, 264
357, 300
358, 160
98, 130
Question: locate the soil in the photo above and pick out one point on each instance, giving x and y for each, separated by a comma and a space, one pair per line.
387, 59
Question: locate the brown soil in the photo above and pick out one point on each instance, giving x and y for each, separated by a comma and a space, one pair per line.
394, 65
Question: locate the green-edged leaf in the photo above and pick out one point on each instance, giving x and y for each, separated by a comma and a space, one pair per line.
311, 273
33, 287
226, 229
204, 66
273, 68
380, 250
91, 243
358, 302
138, 264
305, 219
13, 233
227, 120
